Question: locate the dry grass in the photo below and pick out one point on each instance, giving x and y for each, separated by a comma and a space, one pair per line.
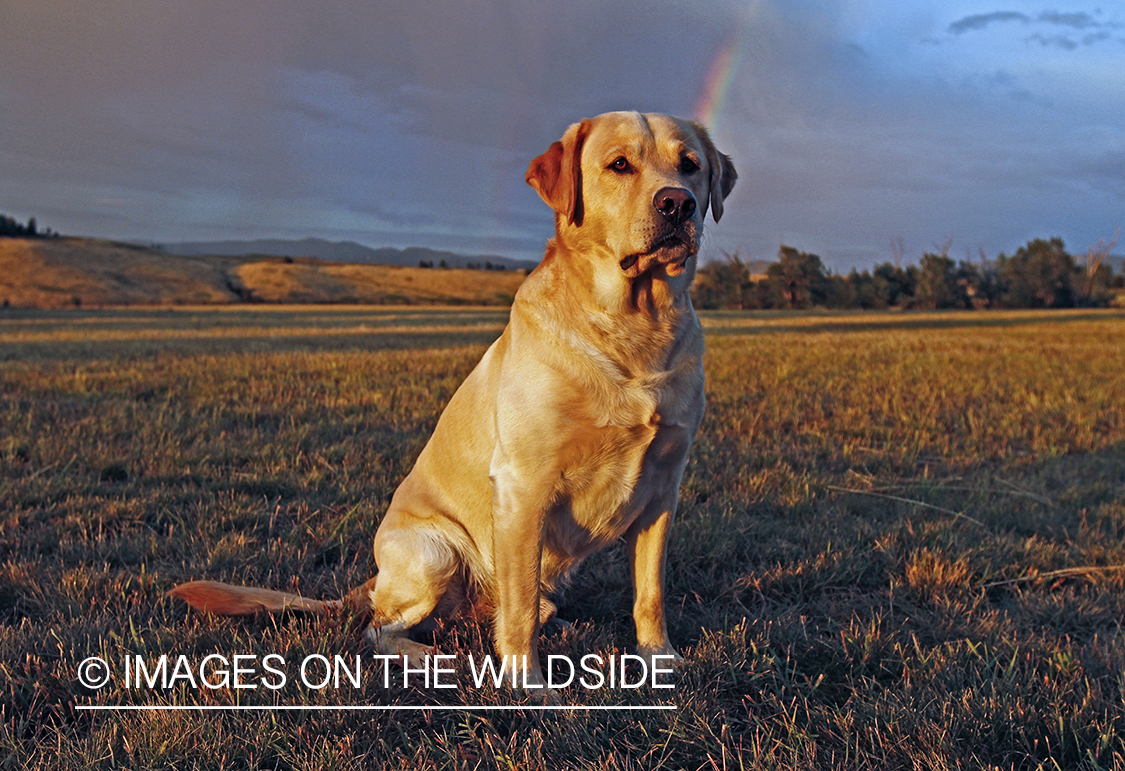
66, 272
88, 272
887, 556
312, 281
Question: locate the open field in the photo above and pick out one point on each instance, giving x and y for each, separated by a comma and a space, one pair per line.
901, 542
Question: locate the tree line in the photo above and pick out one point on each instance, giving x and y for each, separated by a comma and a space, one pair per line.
443, 265
13, 228
1041, 274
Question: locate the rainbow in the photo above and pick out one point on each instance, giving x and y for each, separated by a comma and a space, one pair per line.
719, 78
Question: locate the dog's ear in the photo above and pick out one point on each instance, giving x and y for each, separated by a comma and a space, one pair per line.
557, 174
723, 175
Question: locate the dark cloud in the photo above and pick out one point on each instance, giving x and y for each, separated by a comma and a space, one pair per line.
1055, 41
1067, 43
1076, 20
412, 123
982, 20
1096, 37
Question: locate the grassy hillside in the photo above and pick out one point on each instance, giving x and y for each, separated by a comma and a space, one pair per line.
900, 543
312, 281
68, 272
84, 272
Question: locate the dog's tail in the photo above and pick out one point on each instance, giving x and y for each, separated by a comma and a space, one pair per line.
230, 600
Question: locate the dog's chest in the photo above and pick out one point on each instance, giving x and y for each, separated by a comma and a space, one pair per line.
615, 470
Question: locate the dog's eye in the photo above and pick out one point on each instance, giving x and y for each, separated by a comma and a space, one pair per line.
688, 166
621, 165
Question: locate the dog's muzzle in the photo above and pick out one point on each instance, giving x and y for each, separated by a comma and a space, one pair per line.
676, 240
671, 250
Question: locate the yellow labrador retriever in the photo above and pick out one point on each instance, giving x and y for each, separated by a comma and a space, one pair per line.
573, 430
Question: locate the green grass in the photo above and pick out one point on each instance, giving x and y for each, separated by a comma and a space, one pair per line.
900, 542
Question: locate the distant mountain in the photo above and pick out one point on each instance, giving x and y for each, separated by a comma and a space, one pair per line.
343, 251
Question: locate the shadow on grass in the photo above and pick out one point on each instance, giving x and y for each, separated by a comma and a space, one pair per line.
733, 324
136, 333
266, 343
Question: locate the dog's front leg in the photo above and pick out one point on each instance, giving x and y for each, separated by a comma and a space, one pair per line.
647, 540
519, 511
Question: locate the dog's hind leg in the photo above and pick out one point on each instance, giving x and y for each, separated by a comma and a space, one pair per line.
550, 624
416, 567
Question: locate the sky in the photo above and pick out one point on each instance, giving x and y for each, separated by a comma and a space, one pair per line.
974, 126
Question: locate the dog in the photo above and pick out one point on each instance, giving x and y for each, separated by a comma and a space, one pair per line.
574, 428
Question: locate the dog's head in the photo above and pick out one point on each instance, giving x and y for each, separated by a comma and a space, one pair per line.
636, 186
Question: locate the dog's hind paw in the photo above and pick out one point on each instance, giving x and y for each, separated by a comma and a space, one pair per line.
414, 654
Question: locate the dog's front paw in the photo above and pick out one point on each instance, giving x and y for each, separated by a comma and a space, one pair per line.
662, 662
665, 651
539, 697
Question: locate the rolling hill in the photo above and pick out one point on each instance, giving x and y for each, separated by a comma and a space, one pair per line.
62, 272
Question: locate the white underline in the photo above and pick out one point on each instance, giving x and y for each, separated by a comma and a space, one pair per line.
362, 707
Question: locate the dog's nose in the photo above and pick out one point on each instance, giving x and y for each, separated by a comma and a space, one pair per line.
675, 203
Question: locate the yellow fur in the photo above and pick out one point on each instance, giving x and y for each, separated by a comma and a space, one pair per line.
573, 430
